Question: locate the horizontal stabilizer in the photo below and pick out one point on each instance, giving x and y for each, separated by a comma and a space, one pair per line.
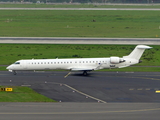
143, 47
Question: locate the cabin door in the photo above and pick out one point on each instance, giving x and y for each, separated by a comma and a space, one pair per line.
25, 64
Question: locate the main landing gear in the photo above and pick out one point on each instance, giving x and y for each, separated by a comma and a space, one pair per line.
85, 73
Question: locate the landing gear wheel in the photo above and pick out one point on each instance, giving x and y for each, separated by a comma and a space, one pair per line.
85, 73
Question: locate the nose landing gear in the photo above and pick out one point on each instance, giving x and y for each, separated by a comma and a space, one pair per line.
14, 72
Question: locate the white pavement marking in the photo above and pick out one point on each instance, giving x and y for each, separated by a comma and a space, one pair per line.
84, 94
75, 90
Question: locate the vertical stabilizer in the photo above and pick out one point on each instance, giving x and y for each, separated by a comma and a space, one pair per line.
138, 51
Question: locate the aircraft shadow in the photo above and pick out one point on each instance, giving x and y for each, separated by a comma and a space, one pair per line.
81, 74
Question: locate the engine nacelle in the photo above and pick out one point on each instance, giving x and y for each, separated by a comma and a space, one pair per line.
116, 60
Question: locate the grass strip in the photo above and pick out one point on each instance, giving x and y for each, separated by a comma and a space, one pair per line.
14, 52
22, 94
134, 69
34, 5
68, 23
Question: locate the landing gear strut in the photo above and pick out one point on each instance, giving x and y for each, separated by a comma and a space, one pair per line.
14, 72
85, 73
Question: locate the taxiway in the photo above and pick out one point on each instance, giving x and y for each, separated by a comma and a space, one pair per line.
79, 111
98, 96
79, 40
96, 87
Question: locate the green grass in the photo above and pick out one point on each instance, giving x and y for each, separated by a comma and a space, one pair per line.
77, 6
59, 23
14, 52
22, 94
134, 69
68, 23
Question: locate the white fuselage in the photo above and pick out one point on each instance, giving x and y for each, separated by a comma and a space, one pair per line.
80, 64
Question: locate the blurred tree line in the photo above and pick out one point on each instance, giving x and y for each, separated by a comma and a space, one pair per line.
86, 1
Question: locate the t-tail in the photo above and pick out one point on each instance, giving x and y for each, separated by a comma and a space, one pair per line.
137, 52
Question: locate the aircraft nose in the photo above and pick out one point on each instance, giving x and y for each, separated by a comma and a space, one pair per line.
9, 67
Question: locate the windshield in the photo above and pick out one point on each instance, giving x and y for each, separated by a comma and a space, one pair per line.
17, 63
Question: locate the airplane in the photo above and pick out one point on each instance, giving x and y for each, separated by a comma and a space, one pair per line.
80, 64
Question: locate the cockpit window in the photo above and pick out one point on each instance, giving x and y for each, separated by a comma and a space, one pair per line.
17, 63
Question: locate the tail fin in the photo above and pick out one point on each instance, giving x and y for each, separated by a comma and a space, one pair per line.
138, 51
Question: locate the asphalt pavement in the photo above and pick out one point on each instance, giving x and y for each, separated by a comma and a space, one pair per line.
96, 87
80, 111
98, 96
79, 40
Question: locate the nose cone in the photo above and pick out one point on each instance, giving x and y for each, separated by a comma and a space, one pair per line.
10, 67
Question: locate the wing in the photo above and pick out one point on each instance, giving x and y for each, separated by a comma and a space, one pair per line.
82, 69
